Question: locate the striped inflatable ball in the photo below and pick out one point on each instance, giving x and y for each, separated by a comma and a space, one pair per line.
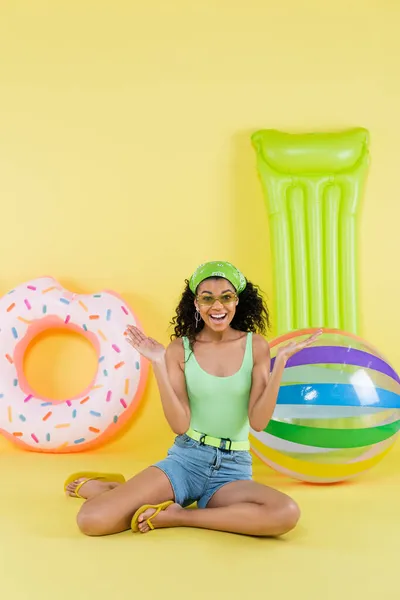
338, 410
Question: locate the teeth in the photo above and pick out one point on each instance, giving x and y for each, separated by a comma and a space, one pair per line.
218, 316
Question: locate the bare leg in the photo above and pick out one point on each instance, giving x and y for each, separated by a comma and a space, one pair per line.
242, 507
111, 510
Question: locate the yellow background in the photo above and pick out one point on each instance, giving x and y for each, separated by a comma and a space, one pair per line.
125, 160
125, 146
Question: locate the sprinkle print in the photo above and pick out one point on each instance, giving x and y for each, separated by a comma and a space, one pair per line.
54, 425
26, 321
64, 445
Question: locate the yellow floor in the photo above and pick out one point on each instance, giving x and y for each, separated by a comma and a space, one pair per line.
347, 546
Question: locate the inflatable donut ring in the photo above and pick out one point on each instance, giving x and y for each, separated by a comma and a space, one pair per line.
84, 421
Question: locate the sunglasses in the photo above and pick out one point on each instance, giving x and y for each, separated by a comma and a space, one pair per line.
208, 300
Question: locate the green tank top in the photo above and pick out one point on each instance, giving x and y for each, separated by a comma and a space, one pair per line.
219, 405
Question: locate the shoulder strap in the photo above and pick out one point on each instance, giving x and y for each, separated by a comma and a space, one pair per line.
186, 347
248, 357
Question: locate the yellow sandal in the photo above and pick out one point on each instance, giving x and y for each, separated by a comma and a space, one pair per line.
158, 508
91, 476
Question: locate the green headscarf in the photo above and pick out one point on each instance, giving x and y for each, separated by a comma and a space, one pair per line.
218, 269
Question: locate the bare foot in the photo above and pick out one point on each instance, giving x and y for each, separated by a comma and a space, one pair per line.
91, 488
165, 518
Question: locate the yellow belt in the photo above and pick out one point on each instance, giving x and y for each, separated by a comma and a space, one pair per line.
221, 443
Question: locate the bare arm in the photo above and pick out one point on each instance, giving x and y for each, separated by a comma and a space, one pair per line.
265, 385
169, 373
172, 386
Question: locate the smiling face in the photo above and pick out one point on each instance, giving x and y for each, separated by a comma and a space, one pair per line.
216, 301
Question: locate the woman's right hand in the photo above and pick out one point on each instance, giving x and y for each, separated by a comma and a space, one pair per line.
147, 347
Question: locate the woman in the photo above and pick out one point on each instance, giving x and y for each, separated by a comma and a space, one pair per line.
214, 381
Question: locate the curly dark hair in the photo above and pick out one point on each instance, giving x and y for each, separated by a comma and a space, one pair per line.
251, 314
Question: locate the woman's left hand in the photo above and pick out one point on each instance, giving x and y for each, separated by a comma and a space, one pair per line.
285, 352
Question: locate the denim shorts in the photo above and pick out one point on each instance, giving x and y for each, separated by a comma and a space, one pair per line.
197, 471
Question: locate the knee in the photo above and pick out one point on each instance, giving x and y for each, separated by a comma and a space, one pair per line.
280, 520
92, 521
289, 516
